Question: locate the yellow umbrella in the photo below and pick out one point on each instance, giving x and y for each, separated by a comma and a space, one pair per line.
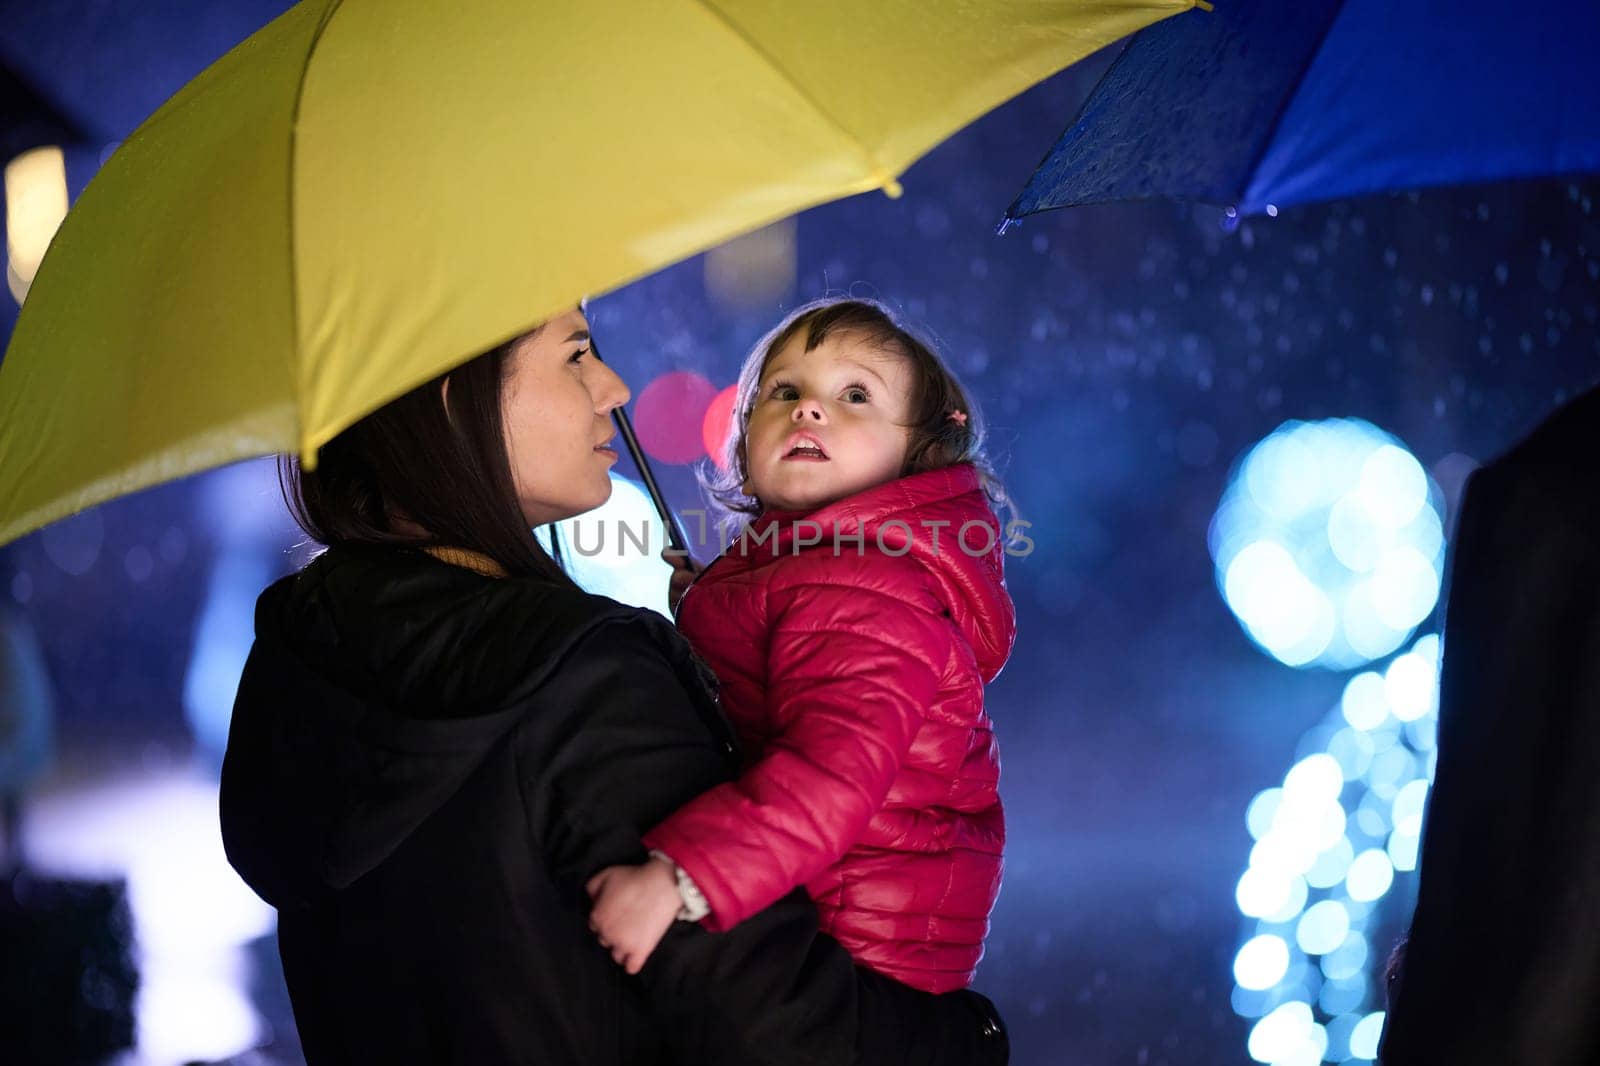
368, 192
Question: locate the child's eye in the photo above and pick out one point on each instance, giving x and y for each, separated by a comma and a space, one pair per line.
782, 390
857, 394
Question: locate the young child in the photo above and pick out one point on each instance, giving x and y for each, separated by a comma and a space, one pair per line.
853, 625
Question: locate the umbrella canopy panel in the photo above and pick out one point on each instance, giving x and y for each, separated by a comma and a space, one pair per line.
1265, 103
365, 194
158, 337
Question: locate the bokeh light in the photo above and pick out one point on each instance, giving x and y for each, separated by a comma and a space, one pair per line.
1331, 844
615, 549
1364, 1038
1370, 875
1328, 543
717, 422
193, 917
241, 506
669, 416
1261, 962
1323, 927
36, 203
755, 271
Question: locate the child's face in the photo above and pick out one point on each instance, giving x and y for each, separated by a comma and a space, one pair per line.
827, 423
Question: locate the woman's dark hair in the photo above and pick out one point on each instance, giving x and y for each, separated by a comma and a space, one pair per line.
434, 458
936, 440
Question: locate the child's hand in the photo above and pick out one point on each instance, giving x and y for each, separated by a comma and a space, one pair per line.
634, 906
684, 571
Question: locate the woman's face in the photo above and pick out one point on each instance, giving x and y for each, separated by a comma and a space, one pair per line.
556, 403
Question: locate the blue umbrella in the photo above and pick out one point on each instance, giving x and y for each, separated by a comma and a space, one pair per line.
1265, 104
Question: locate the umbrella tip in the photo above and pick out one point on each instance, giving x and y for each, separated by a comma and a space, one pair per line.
1203, 5
1006, 225
892, 189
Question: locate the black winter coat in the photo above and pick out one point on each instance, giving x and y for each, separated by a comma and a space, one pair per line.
1502, 967
425, 767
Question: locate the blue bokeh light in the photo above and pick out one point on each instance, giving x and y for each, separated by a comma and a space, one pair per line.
1364, 1038
1328, 544
1332, 844
1323, 927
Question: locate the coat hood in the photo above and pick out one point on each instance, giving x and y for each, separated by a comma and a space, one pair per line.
941, 518
378, 682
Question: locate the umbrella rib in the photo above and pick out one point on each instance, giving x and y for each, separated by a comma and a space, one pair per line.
297, 364
1271, 132
885, 179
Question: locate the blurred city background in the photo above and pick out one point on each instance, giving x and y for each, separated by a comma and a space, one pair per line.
1240, 445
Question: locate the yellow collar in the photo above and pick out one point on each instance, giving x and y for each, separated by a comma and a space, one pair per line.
477, 562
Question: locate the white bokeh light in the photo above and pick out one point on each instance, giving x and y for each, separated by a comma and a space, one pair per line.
1364, 1040
1323, 927
1370, 875
192, 914
1258, 817
1293, 904
1364, 705
615, 549
1261, 962
1332, 865
1409, 686
1347, 960
1392, 487
1328, 544
1285, 1032
1262, 892
1335, 847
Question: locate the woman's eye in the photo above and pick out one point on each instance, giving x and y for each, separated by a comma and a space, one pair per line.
856, 394
578, 355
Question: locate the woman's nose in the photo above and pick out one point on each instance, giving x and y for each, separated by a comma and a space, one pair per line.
609, 391
807, 411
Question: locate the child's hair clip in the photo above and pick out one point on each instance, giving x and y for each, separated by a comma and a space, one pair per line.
958, 417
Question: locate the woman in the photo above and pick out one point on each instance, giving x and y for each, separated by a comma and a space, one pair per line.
439, 738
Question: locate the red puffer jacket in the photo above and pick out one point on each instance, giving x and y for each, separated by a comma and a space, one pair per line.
853, 644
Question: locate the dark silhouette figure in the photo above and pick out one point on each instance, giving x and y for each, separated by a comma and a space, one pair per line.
1502, 963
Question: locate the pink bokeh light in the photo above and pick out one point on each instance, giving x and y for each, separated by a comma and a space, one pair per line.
669, 414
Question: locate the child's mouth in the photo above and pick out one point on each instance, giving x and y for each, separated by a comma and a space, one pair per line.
804, 446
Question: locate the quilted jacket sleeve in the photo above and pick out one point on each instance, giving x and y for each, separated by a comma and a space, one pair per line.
854, 661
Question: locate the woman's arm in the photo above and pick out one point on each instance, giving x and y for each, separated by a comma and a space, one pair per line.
620, 739
851, 671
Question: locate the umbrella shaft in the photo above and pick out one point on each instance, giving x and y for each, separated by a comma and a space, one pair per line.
676, 541
675, 538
